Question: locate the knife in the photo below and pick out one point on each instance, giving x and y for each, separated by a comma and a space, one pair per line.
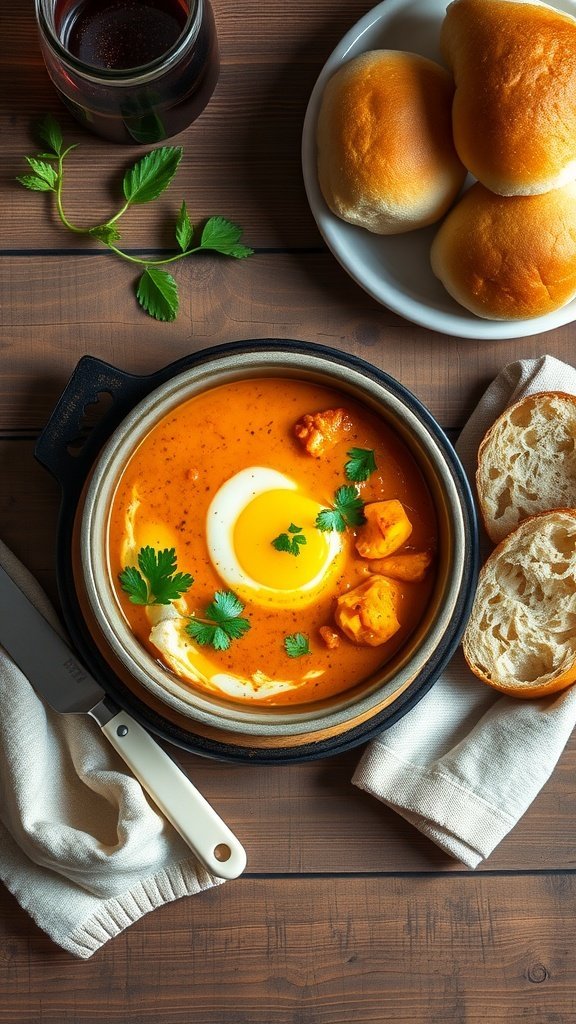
56, 674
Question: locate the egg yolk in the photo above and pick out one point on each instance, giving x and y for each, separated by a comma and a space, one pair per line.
265, 518
155, 535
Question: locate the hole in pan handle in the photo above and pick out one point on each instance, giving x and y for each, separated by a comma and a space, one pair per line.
189, 812
73, 436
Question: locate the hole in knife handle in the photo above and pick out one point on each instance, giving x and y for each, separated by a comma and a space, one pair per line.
222, 852
92, 414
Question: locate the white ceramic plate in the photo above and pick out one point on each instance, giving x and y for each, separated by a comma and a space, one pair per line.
395, 269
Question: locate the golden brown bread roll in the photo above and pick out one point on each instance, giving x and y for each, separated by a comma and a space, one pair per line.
509, 258
386, 158
514, 115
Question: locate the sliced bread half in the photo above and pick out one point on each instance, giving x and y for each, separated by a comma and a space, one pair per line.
527, 462
521, 635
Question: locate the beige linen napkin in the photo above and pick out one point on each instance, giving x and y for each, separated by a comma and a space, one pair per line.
465, 764
81, 848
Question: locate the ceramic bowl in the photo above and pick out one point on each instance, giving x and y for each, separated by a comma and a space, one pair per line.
411, 671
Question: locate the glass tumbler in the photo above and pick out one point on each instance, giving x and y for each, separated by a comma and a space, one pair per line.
132, 71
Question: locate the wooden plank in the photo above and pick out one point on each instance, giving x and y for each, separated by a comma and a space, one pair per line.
56, 309
423, 950
29, 502
310, 818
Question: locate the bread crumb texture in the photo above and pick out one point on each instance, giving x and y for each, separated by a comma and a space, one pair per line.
527, 462
521, 636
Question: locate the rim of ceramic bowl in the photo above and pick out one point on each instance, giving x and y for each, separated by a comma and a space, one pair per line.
408, 417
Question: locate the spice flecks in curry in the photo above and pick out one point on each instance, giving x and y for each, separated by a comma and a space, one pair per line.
224, 475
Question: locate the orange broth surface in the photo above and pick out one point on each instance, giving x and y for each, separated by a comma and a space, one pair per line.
179, 467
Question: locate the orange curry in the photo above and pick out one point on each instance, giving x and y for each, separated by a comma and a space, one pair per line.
351, 597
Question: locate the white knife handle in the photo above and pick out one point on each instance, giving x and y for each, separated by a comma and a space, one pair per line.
190, 814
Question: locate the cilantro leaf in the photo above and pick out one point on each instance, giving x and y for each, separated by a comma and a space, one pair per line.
157, 293
156, 581
222, 236
148, 178
105, 233
49, 131
221, 622
330, 519
361, 465
34, 183
348, 510
350, 505
290, 544
184, 229
296, 644
134, 584
160, 569
43, 170
201, 632
225, 605
282, 543
225, 609
44, 178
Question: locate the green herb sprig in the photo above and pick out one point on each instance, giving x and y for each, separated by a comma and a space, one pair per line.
296, 645
291, 541
156, 289
221, 622
361, 464
156, 581
347, 510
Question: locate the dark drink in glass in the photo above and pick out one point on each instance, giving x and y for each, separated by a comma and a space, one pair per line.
131, 70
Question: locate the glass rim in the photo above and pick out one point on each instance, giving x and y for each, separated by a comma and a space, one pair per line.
118, 76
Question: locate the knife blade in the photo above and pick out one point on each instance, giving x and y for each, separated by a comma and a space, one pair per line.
61, 679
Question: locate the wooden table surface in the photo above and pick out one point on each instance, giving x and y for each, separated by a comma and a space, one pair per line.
345, 913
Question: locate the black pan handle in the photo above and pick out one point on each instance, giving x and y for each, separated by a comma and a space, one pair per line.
68, 445
58, 448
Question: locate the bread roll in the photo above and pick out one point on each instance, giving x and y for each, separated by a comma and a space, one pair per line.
527, 462
521, 635
386, 158
514, 116
509, 258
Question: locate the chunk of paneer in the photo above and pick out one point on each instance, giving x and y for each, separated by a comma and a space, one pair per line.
367, 615
318, 432
410, 567
386, 529
330, 638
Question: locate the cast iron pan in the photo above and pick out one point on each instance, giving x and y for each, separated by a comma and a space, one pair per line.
93, 379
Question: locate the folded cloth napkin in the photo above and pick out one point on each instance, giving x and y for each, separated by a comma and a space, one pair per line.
465, 764
81, 848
